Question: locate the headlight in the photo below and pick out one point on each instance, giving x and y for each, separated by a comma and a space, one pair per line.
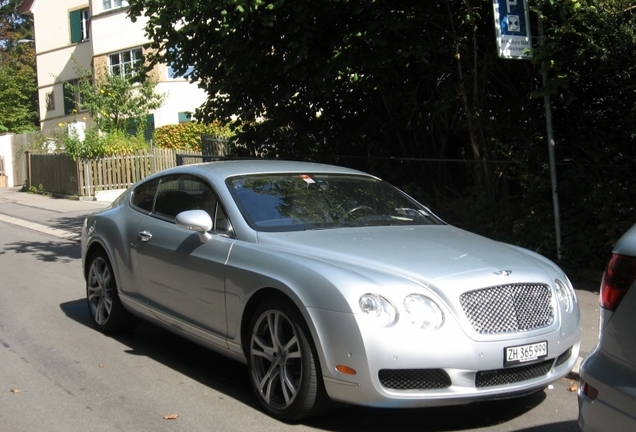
423, 312
379, 309
565, 294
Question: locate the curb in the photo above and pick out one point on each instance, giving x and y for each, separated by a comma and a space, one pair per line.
55, 232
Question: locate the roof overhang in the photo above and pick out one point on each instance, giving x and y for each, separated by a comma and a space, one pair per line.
26, 7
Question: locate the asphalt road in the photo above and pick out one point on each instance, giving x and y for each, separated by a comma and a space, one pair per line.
58, 374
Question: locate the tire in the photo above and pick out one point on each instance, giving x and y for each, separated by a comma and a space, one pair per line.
104, 306
282, 362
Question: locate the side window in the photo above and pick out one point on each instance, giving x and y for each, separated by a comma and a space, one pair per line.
181, 192
177, 193
144, 196
222, 224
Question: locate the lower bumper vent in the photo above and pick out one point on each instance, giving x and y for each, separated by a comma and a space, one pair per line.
414, 379
563, 357
512, 375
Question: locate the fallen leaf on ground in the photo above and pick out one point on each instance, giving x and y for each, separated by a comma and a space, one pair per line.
15, 390
573, 388
171, 417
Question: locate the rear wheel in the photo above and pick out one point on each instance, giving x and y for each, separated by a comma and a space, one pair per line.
106, 310
283, 365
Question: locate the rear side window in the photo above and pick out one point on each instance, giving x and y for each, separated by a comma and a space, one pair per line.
144, 195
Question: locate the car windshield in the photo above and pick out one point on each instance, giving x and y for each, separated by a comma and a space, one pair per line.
292, 202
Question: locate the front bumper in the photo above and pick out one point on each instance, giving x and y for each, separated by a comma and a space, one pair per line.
404, 367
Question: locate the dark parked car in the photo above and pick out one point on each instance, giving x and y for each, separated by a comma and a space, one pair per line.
607, 394
330, 284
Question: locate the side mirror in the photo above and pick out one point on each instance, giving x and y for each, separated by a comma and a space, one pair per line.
196, 220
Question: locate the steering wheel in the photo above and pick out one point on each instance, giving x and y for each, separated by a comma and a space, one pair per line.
355, 209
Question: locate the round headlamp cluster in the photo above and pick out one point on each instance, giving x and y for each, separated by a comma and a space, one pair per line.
565, 294
380, 309
421, 311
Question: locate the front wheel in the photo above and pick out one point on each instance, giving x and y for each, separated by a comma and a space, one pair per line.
106, 310
283, 366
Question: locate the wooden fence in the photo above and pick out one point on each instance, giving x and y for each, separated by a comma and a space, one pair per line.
59, 173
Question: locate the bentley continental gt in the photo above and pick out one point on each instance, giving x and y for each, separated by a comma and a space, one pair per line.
330, 285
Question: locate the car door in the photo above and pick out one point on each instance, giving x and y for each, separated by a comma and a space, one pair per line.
183, 278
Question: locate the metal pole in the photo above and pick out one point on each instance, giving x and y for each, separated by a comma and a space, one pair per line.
551, 144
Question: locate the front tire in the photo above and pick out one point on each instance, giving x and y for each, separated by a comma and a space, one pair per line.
104, 306
282, 363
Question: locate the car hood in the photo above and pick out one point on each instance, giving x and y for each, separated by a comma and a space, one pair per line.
439, 254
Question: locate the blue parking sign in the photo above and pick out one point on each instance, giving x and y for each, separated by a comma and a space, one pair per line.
513, 29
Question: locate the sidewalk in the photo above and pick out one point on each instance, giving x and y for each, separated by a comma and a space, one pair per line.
59, 217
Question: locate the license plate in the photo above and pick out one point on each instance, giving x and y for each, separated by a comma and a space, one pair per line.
525, 353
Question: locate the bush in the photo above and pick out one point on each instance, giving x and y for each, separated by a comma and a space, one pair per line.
99, 144
186, 136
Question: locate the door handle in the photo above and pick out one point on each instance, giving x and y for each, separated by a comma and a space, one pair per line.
145, 236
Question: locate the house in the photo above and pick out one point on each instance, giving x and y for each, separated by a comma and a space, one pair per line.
96, 34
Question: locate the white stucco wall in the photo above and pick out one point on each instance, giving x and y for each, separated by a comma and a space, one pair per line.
182, 97
7, 155
111, 31
56, 57
51, 22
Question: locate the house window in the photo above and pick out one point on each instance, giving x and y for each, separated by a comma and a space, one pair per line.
174, 75
125, 63
80, 20
112, 4
185, 117
149, 127
72, 98
50, 101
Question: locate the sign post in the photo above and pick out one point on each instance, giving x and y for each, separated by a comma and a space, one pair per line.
512, 25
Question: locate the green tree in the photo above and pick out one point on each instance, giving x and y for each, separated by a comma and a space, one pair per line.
18, 88
360, 82
118, 106
591, 58
117, 102
334, 77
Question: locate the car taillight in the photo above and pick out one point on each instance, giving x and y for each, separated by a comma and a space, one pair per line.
588, 390
619, 276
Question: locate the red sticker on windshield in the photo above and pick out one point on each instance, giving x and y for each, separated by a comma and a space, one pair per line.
307, 178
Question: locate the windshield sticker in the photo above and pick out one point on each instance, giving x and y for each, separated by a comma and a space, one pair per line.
307, 178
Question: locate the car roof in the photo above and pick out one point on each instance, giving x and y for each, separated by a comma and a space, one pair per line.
626, 245
229, 168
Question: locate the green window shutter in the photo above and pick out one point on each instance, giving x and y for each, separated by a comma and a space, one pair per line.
150, 127
75, 18
69, 98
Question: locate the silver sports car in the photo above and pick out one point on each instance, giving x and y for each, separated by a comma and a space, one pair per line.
331, 285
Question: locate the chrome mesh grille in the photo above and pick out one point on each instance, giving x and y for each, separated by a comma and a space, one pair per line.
563, 357
414, 379
508, 308
512, 375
